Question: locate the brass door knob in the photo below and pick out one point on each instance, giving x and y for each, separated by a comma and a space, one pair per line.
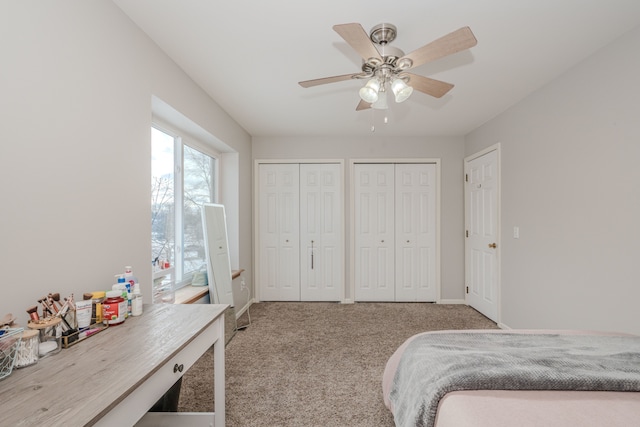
493, 245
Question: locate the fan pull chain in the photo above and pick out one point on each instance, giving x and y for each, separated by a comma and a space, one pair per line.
373, 120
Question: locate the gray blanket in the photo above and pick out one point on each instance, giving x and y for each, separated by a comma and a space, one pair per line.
435, 364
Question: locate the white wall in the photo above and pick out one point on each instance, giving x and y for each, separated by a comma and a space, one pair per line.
571, 182
76, 83
449, 149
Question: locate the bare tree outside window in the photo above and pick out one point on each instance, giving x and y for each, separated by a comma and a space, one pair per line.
162, 197
198, 189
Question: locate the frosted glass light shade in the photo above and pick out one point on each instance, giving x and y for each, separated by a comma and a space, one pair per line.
369, 93
401, 90
381, 103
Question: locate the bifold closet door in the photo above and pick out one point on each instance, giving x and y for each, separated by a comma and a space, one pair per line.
279, 247
321, 242
301, 243
374, 232
395, 232
415, 232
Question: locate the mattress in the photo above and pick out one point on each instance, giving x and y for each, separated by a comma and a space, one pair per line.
498, 408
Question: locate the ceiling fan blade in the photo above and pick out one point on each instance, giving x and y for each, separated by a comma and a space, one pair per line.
358, 39
446, 45
432, 87
325, 80
363, 105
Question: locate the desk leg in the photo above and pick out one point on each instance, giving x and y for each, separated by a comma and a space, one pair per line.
219, 375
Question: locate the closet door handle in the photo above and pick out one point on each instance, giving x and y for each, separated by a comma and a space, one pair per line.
312, 254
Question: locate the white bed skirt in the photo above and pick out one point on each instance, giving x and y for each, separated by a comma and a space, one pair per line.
500, 408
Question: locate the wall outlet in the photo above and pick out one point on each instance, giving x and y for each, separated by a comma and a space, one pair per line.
516, 232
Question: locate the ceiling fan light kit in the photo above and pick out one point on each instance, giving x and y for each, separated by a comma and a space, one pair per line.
373, 90
369, 92
381, 103
385, 67
401, 90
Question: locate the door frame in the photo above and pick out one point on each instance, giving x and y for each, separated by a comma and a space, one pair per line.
256, 212
497, 148
352, 237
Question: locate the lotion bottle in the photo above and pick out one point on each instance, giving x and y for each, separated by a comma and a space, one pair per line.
136, 300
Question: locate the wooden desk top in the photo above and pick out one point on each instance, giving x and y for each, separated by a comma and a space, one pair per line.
82, 383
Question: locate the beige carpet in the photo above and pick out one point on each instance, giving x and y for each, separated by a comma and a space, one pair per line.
316, 364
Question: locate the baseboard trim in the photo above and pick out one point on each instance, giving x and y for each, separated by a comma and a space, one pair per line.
452, 301
350, 301
245, 308
503, 326
442, 301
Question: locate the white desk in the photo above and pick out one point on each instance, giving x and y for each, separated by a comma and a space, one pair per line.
115, 376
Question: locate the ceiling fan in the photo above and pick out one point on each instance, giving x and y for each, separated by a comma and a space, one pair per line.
386, 67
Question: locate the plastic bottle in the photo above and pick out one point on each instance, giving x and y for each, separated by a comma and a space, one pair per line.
129, 277
122, 280
83, 312
136, 300
126, 294
131, 280
114, 308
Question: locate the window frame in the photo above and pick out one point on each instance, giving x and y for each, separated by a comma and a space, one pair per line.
180, 140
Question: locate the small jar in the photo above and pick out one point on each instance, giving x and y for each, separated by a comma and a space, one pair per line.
49, 334
96, 311
27, 353
114, 308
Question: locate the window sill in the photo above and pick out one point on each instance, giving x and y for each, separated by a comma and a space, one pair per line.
191, 294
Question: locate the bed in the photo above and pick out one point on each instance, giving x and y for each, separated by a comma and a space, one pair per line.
521, 378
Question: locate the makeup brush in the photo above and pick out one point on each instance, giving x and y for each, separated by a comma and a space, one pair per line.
33, 313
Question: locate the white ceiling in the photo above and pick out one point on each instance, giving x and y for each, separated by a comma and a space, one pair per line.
249, 55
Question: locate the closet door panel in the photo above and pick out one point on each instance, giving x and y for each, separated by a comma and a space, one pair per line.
279, 244
415, 238
374, 232
321, 235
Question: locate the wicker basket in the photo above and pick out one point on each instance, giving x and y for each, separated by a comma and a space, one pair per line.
9, 342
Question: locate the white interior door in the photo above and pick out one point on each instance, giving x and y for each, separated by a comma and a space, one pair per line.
415, 232
279, 244
321, 236
374, 232
481, 245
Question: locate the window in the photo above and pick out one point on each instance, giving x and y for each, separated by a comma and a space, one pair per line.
182, 179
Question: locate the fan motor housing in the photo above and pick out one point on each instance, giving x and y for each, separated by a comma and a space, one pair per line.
381, 35
390, 54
